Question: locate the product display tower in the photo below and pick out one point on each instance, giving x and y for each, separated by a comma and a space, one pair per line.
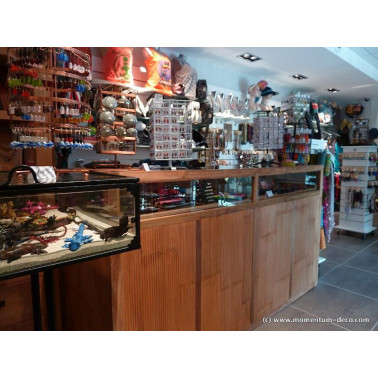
358, 179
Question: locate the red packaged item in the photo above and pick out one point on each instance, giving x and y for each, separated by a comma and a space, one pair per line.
159, 72
118, 65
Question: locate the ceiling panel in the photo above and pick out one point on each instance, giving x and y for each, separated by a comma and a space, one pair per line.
372, 50
362, 51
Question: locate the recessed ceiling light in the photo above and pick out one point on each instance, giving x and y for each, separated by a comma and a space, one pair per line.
299, 76
333, 90
250, 57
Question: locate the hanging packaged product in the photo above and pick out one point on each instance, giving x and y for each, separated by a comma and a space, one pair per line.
159, 72
118, 65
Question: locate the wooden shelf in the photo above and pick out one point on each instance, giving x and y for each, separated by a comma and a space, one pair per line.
125, 110
113, 138
4, 115
33, 123
76, 51
118, 93
60, 72
39, 98
69, 125
53, 71
64, 90
117, 152
37, 88
69, 101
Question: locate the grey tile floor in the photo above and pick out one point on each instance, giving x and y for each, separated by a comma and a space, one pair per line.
347, 289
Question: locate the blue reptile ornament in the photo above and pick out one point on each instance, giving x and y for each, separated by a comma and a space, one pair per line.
78, 239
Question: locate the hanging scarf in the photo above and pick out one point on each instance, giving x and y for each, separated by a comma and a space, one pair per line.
331, 207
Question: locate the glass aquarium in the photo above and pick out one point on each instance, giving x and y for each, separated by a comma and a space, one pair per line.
163, 196
77, 217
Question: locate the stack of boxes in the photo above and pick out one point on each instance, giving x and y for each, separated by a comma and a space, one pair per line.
171, 131
268, 132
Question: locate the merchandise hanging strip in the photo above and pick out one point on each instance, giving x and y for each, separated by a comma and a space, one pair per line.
25, 137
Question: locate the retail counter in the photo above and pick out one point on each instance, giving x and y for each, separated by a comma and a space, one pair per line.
220, 250
218, 261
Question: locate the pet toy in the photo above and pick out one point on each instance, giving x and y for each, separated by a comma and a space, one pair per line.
78, 239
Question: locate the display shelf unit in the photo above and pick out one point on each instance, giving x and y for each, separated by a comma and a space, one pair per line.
47, 93
171, 130
357, 218
49, 73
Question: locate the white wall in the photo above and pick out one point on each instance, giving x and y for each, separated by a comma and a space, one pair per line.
88, 156
371, 111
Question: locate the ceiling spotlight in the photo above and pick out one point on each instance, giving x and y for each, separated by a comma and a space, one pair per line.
250, 57
333, 90
299, 76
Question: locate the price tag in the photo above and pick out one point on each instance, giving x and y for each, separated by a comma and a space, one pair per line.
146, 167
173, 169
269, 194
158, 100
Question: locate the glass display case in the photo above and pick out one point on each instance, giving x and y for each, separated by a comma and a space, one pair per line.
274, 185
78, 217
162, 196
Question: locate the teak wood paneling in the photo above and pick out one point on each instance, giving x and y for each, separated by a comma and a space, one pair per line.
306, 242
226, 265
154, 288
85, 295
16, 311
272, 258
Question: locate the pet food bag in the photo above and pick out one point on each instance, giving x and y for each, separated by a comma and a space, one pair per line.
118, 65
159, 72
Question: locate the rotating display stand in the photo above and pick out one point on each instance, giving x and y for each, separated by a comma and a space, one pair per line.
117, 144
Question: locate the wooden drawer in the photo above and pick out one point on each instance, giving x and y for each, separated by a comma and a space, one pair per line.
16, 311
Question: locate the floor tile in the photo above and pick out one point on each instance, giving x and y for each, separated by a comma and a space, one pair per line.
354, 243
372, 249
302, 322
336, 255
325, 267
355, 280
366, 261
327, 301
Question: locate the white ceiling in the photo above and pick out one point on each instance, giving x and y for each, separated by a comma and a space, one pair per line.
323, 67
370, 54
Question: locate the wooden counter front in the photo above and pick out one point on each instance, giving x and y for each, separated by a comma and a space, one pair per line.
223, 268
